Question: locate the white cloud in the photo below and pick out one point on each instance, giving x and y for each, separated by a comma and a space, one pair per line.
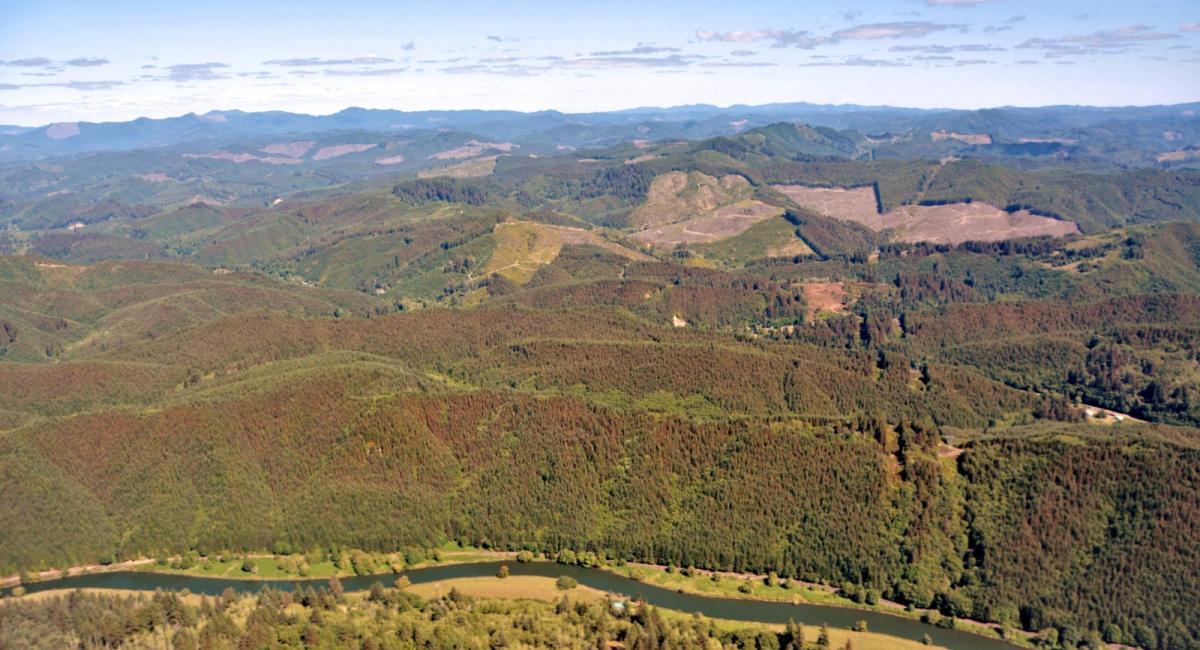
907, 29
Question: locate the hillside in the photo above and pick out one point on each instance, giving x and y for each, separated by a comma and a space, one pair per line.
946, 380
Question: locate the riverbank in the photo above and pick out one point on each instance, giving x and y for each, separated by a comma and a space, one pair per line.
546, 589
524, 604
268, 566
760, 587
264, 566
713, 584
83, 569
735, 609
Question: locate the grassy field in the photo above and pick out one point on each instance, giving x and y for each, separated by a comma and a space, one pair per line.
512, 587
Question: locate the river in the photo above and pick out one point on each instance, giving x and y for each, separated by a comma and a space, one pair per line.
727, 608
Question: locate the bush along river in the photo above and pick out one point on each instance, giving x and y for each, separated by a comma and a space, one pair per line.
727, 608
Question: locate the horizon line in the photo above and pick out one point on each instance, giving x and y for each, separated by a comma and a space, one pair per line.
718, 107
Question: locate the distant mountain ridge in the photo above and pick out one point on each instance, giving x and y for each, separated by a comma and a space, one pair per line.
1153, 128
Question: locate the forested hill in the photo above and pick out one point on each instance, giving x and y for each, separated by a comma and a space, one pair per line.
169, 408
1126, 135
954, 381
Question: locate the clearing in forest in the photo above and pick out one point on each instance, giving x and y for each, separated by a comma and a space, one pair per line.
825, 297
695, 208
468, 169
952, 223
722, 223
290, 149
340, 150
851, 204
522, 247
473, 148
958, 222
680, 196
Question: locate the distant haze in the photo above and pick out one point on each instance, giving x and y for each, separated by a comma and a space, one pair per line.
64, 62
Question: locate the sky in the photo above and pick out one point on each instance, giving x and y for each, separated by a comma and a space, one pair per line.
118, 60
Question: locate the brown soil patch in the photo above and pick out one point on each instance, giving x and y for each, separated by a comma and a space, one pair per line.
390, 160
855, 204
340, 150
945, 224
976, 221
290, 149
723, 223
825, 296
154, 177
512, 587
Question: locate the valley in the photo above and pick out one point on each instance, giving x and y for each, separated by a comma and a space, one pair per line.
776, 352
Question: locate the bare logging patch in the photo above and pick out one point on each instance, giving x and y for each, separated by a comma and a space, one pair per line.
950, 223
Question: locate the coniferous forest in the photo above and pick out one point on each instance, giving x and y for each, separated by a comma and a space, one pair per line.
544, 357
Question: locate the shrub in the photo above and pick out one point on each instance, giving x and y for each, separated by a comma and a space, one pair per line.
565, 583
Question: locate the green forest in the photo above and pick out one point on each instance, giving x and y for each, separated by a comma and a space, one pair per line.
1003, 430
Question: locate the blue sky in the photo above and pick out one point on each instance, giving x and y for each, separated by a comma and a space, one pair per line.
116, 60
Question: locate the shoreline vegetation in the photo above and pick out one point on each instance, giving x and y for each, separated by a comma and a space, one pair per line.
316, 565
514, 601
